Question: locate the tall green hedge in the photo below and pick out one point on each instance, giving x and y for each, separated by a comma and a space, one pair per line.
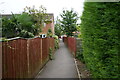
100, 32
79, 50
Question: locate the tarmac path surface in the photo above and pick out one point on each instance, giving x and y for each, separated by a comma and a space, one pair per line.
62, 66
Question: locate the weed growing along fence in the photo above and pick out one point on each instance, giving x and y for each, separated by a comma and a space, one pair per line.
100, 35
23, 58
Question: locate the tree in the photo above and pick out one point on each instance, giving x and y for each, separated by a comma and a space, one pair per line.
68, 22
39, 16
58, 28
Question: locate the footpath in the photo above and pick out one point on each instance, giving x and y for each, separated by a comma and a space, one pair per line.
62, 66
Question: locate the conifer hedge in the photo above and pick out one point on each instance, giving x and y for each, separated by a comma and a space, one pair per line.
100, 33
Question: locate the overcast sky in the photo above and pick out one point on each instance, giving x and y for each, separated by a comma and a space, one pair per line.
52, 6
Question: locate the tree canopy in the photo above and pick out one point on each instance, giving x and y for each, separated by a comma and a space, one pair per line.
58, 28
68, 22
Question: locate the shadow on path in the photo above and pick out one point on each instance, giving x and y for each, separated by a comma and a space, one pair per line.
62, 66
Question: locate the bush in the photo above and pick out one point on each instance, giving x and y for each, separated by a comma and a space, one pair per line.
18, 25
49, 33
10, 27
100, 28
51, 53
26, 34
27, 24
56, 42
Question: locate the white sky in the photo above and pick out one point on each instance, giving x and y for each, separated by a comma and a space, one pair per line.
52, 6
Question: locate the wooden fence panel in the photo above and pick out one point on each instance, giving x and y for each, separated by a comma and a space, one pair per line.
51, 43
34, 56
4, 64
0, 60
9, 60
71, 44
23, 58
14, 59
45, 50
20, 58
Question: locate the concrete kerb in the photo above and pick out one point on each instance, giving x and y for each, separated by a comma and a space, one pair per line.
78, 72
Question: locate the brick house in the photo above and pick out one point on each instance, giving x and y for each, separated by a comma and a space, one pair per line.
48, 25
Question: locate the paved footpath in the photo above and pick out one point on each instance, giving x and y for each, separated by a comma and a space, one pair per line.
62, 66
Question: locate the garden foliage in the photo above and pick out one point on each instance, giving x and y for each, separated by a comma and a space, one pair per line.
49, 33
56, 41
100, 28
27, 24
58, 28
18, 25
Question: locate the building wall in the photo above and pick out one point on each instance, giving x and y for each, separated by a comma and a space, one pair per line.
48, 25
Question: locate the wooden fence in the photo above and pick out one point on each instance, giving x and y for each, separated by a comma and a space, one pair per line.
23, 58
71, 44
0, 60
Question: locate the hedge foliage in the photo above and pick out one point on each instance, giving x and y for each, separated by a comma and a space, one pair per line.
79, 50
100, 33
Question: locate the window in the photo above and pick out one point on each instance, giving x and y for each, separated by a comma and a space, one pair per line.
44, 24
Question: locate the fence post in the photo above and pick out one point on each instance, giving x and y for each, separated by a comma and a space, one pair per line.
41, 51
28, 57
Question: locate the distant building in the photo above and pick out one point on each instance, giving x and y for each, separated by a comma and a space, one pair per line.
48, 25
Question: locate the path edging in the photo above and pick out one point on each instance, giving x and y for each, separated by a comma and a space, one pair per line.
78, 72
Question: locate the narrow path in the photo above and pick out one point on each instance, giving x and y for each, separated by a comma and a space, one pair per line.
62, 66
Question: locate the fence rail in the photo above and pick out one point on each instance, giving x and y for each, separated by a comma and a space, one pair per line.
23, 58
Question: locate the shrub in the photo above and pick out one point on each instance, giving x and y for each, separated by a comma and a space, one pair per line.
26, 34
27, 24
10, 27
100, 28
18, 25
51, 53
49, 33
56, 42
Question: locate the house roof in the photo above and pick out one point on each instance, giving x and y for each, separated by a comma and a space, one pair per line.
51, 16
